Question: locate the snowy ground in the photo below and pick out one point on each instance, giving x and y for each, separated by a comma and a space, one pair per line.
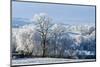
29, 61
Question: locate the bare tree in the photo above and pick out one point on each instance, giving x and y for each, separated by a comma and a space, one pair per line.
43, 24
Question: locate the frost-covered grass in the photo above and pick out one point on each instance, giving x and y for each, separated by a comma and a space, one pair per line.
29, 61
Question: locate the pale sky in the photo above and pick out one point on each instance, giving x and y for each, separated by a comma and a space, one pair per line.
69, 14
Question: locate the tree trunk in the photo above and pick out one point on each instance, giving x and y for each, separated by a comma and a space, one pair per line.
44, 46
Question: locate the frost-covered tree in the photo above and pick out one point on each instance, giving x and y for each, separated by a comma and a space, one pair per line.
57, 32
43, 24
61, 42
24, 41
87, 44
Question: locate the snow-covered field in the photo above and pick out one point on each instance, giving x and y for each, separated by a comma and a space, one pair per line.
29, 61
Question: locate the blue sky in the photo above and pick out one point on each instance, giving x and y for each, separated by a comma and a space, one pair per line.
69, 14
